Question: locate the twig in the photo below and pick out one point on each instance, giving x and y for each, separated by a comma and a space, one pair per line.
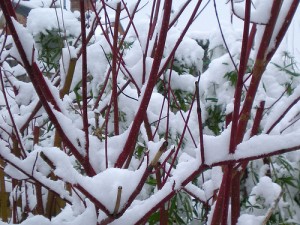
200, 123
118, 200
271, 210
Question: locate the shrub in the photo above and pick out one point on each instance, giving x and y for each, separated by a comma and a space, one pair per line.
149, 124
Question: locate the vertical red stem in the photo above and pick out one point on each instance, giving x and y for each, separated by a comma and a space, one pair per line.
84, 84
284, 27
180, 38
259, 67
257, 119
40, 85
149, 37
241, 72
139, 117
229, 178
155, 18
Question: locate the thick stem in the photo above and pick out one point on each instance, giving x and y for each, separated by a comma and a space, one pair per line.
241, 72
259, 68
227, 179
114, 70
235, 197
84, 89
231, 180
140, 115
163, 213
284, 28
3, 195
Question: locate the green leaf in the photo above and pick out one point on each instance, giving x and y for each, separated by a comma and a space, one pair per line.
284, 69
232, 77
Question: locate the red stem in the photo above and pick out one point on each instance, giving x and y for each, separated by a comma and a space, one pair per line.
257, 119
102, 90
155, 18
235, 192
175, 19
226, 185
15, 128
84, 86
235, 196
131, 23
241, 72
117, 53
251, 40
139, 117
282, 115
174, 98
259, 67
145, 53
40, 85
227, 178
185, 29
284, 28
179, 143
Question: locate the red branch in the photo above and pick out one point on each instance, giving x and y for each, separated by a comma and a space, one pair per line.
139, 117
39, 83
84, 87
114, 70
241, 72
259, 67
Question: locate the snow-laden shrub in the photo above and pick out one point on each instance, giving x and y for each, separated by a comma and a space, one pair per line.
146, 123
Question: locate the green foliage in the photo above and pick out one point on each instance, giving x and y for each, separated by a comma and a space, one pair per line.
181, 99
51, 45
181, 68
232, 77
287, 69
289, 88
126, 45
206, 59
78, 94
289, 65
184, 100
251, 207
285, 173
215, 118
180, 210
154, 218
139, 151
